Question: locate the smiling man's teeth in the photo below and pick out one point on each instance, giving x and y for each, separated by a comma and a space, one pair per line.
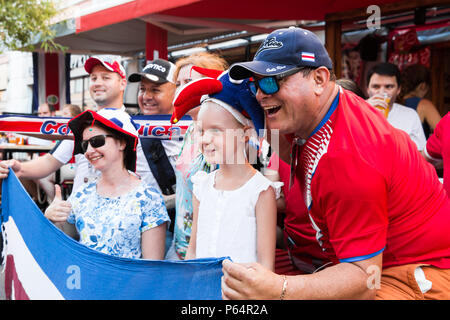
272, 109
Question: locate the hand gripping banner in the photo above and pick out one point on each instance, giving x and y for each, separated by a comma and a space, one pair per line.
41, 262
55, 128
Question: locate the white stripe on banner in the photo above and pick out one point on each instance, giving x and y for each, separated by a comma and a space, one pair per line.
34, 281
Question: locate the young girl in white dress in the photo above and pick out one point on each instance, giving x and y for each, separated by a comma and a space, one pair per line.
234, 207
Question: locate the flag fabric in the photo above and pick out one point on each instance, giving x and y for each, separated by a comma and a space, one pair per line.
51, 79
41, 262
54, 128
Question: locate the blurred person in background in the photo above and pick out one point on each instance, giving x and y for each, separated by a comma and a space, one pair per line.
415, 86
384, 85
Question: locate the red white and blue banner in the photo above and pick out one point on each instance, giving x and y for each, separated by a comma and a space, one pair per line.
41, 262
55, 128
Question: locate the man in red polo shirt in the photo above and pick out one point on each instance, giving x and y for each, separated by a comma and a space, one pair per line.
377, 207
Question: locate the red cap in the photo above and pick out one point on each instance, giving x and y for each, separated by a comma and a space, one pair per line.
108, 63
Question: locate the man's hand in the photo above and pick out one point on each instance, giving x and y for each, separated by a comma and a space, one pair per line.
249, 281
356, 280
381, 102
5, 165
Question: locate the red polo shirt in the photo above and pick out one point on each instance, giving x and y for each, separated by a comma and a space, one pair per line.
369, 190
438, 147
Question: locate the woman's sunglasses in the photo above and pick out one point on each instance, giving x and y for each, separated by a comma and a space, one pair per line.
96, 142
270, 85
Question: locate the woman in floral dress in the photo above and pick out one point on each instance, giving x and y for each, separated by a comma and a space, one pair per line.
118, 214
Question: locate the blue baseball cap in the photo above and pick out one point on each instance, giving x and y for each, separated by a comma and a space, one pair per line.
282, 51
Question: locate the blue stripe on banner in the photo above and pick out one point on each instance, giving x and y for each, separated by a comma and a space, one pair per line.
361, 258
102, 276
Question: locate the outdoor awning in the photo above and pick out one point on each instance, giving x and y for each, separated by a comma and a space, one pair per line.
213, 9
122, 29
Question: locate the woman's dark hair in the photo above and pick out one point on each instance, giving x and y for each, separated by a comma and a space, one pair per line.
414, 75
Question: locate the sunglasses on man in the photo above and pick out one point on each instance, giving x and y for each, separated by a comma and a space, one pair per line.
270, 85
95, 142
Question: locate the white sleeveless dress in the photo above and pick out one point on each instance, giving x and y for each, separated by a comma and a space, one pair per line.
226, 225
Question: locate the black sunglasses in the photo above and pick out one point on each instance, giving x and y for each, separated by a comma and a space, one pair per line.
270, 85
96, 142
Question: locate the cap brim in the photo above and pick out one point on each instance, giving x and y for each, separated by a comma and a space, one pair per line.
244, 70
137, 77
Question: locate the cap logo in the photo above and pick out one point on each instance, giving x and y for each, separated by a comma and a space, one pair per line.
308, 56
278, 68
270, 43
155, 67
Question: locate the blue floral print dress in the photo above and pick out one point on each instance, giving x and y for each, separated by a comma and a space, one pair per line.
114, 225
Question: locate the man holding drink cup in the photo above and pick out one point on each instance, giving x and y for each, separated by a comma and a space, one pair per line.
383, 87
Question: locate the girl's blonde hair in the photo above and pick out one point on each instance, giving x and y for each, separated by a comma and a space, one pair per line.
201, 59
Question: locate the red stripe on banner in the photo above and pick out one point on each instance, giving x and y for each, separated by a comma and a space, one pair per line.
32, 127
13, 286
52, 79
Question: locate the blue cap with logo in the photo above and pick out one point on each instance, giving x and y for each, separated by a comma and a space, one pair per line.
283, 50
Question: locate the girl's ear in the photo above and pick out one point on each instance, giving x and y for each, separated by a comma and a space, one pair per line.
247, 133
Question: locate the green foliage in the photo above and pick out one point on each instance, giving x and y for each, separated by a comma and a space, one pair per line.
24, 22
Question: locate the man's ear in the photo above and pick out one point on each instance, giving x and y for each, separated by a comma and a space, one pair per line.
399, 90
321, 78
123, 84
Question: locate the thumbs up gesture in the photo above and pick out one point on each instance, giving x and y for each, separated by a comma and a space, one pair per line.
58, 210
